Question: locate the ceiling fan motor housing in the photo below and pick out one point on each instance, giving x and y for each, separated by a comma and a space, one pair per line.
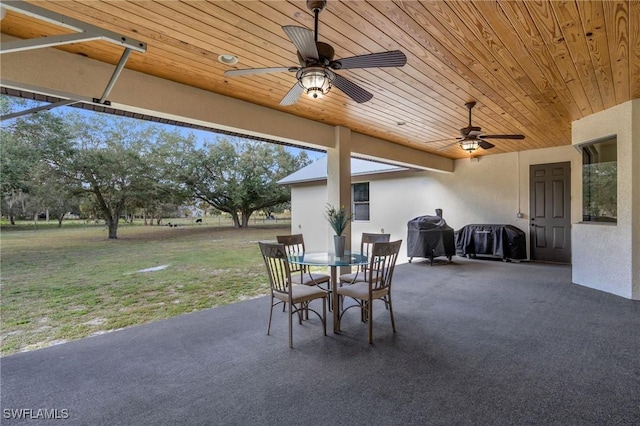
325, 53
316, 5
465, 131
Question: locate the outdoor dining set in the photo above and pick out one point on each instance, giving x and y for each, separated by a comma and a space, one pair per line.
295, 284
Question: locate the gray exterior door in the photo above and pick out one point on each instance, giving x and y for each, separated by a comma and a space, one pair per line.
550, 215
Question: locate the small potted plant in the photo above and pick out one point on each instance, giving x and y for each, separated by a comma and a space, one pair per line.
338, 220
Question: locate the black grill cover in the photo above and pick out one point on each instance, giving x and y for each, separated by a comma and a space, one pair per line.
505, 241
430, 236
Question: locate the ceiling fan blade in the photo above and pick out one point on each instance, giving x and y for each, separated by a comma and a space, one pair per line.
393, 58
292, 95
304, 41
352, 90
501, 136
485, 144
252, 71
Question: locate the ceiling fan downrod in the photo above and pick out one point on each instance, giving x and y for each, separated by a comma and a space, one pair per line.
469, 106
316, 6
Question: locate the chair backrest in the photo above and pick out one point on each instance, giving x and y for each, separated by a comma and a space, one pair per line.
294, 245
382, 263
366, 243
277, 262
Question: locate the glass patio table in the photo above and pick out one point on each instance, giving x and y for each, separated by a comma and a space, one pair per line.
333, 262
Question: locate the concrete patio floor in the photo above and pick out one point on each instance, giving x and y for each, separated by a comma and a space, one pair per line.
477, 342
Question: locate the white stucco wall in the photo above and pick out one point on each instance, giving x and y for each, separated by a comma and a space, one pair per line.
489, 190
606, 256
308, 203
393, 201
493, 189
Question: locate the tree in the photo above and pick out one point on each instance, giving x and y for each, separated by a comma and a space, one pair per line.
58, 160
107, 159
167, 155
239, 178
23, 157
113, 163
54, 197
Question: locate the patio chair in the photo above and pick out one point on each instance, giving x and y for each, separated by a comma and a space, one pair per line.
377, 285
297, 297
366, 244
301, 274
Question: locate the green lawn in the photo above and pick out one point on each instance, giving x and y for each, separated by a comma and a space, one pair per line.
69, 283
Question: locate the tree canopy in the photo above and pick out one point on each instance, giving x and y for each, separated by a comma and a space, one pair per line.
240, 178
60, 160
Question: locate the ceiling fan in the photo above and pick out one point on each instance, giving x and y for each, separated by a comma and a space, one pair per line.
471, 137
316, 73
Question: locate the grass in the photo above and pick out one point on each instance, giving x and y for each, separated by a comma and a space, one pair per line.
69, 283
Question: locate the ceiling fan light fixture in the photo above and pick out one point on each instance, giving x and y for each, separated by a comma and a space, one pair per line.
316, 81
469, 145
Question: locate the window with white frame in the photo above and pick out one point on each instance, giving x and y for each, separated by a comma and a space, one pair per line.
360, 197
599, 181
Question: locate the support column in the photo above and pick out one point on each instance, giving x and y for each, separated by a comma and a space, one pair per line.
339, 177
607, 256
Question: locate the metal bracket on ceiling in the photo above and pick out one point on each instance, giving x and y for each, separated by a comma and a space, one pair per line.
85, 32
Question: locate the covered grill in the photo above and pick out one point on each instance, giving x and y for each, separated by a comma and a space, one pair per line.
429, 237
504, 241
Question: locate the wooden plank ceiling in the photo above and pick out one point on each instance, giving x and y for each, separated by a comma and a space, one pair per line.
532, 66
